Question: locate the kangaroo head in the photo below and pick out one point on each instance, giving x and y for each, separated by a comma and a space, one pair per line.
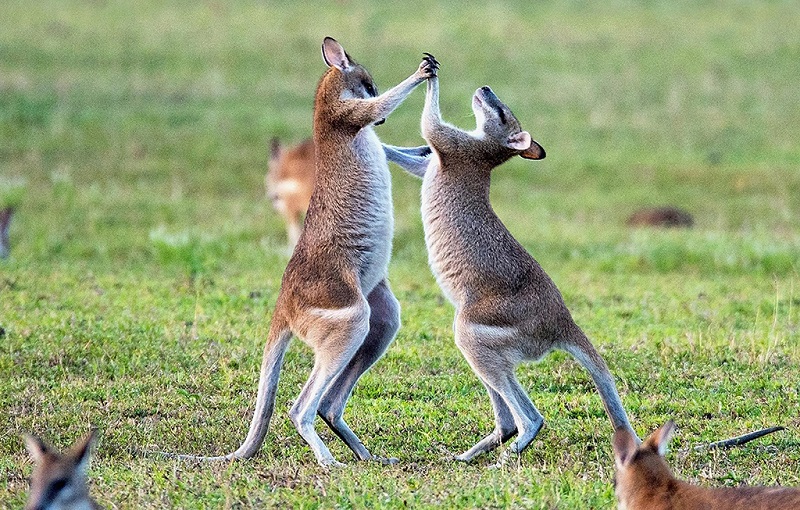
501, 128
355, 80
58, 481
641, 469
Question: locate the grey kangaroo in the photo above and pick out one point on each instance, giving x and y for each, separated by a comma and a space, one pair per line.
507, 309
334, 294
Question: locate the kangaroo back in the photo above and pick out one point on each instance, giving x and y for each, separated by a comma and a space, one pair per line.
58, 481
644, 481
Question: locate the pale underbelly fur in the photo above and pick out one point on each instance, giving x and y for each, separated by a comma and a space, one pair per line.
378, 221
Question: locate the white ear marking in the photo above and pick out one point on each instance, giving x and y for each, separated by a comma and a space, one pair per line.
519, 141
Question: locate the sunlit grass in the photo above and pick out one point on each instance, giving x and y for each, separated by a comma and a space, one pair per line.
145, 259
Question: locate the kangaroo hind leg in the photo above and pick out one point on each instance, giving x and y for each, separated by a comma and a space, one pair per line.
384, 321
489, 351
336, 336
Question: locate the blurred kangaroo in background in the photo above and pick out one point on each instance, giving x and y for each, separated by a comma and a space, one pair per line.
644, 481
58, 481
334, 294
5, 225
507, 309
665, 216
292, 174
289, 183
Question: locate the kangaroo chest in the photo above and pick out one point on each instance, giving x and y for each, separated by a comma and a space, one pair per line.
372, 212
446, 250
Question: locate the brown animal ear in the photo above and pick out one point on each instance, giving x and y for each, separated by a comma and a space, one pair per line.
657, 441
334, 55
35, 446
274, 148
82, 450
624, 445
535, 151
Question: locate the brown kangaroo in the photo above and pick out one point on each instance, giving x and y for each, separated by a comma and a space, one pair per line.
58, 481
644, 481
292, 174
334, 293
289, 183
507, 309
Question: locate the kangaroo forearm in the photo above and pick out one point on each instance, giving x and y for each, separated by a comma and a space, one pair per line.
407, 158
363, 112
436, 132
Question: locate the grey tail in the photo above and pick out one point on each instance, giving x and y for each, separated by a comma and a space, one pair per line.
739, 440
584, 352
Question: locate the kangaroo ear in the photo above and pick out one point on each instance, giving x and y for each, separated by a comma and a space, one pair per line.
82, 450
274, 148
658, 440
624, 445
35, 446
334, 55
519, 141
535, 151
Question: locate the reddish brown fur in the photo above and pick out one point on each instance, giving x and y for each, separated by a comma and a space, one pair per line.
289, 183
666, 216
644, 481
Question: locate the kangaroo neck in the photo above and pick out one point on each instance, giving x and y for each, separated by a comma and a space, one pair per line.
460, 186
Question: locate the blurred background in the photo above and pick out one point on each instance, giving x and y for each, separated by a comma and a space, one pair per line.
144, 254
117, 118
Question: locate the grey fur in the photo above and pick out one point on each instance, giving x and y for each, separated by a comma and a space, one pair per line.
508, 310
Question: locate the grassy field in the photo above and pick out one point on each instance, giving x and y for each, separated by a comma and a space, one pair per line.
145, 259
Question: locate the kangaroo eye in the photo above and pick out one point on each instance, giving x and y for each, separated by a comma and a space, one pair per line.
369, 88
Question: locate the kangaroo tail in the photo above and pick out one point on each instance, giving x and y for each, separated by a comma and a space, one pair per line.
584, 352
277, 343
739, 440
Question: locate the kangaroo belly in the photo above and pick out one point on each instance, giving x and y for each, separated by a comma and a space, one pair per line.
441, 239
374, 217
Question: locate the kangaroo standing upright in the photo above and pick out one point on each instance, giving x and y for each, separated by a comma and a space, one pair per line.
58, 481
643, 481
507, 309
292, 174
334, 294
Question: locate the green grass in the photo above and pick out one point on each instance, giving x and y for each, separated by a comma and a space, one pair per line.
146, 260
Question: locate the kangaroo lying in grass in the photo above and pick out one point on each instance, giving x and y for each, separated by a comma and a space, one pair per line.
644, 481
292, 174
507, 309
58, 481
